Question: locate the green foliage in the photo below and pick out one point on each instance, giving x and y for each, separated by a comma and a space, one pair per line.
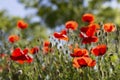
57, 12
6, 22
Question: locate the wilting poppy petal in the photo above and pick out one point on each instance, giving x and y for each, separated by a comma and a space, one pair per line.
71, 25
13, 38
90, 39
109, 27
21, 24
99, 50
88, 18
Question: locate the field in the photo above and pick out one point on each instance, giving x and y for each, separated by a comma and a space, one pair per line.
75, 53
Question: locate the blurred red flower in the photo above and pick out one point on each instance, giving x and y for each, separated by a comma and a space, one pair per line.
34, 50
109, 27
88, 18
79, 52
46, 43
87, 33
13, 38
79, 62
64, 32
88, 40
71, 25
21, 24
46, 47
62, 35
21, 56
99, 50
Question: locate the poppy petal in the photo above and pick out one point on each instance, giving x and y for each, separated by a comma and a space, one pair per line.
88, 18
71, 25
90, 39
99, 50
109, 27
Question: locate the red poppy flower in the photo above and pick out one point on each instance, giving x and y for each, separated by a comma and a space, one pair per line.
97, 26
46, 47
89, 31
79, 62
109, 27
21, 24
21, 56
34, 50
93, 27
13, 38
99, 50
71, 25
87, 40
25, 50
79, 52
62, 35
88, 18
46, 43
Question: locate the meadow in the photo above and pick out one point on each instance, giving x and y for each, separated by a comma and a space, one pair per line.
78, 52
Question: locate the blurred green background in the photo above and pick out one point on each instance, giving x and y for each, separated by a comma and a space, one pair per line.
50, 15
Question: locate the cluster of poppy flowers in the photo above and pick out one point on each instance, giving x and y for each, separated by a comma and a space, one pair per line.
80, 56
22, 56
18, 54
87, 34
